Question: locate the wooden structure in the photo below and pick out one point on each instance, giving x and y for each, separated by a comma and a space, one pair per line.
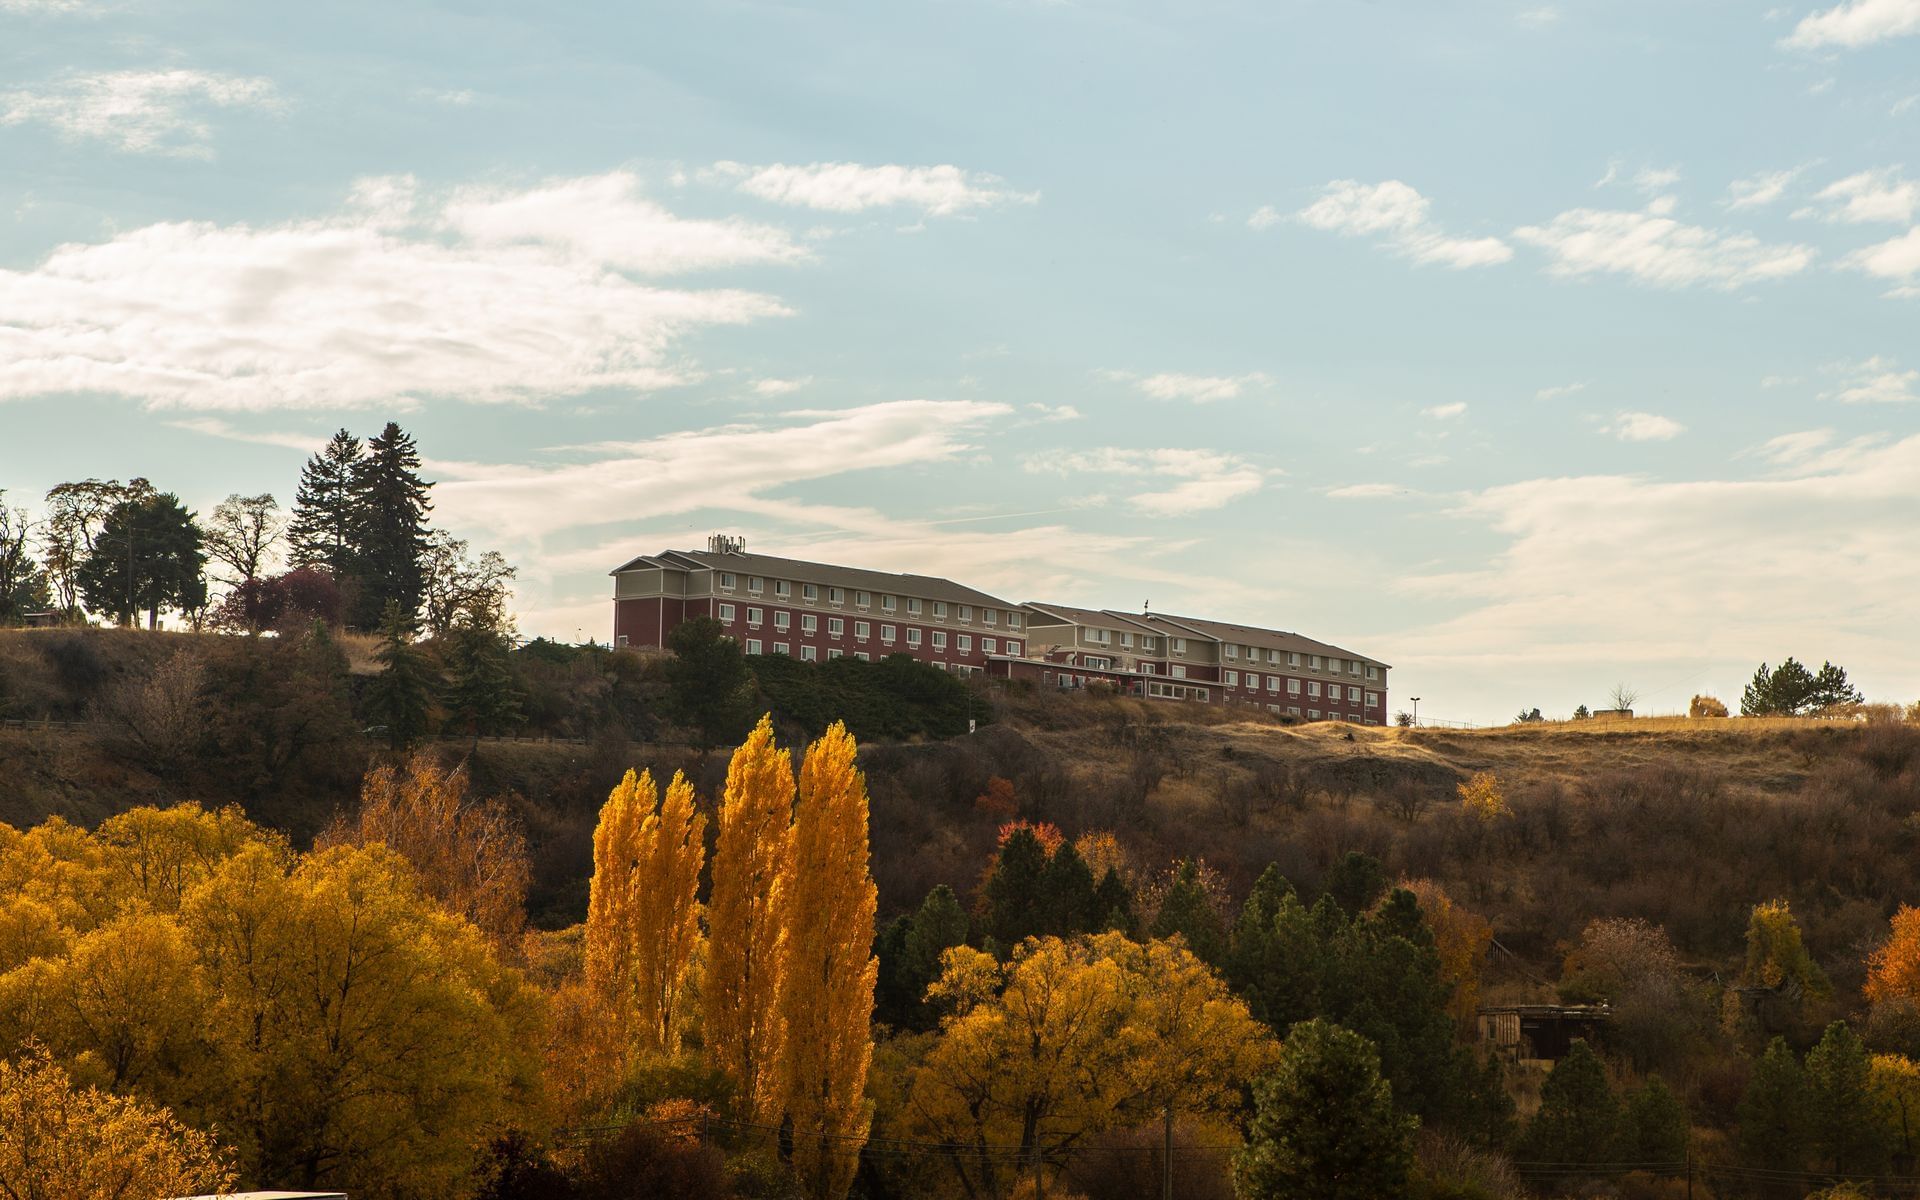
1541, 1032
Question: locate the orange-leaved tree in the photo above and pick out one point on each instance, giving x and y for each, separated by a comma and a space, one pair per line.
666, 909
1893, 971
1461, 938
752, 868
828, 1000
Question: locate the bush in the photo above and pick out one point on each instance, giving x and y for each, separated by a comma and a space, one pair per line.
1706, 706
642, 1160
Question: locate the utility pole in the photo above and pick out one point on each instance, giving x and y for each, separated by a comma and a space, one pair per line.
1416, 710
1166, 1154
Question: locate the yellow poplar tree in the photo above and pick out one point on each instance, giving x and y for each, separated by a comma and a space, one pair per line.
752, 863
610, 899
828, 1001
666, 912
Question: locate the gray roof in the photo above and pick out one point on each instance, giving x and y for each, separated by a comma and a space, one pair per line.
1253, 635
1090, 616
927, 587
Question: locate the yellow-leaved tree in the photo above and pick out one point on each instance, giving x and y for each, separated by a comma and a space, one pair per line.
1893, 971
746, 960
666, 909
1895, 1083
62, 1142
828, 999
610, 902
1776, 955
1461, 938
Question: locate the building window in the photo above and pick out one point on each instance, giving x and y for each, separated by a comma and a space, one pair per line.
782, 588
1273, 683
1293, 689
755, 585
966, 613
1233, 678
1013, 647
886, 634
1013, 620
726, 581
986, 646
1178, 645
1230, 652
1313, 714
887, 603
1293, 660
834, 652
862, 600
940, 609
782, 619
1099, 637
1149, 669
809, 654
1092, 662
913, 636
809, 623
1373, 672
835, 626
1293, 712
1353, 695
1313, 688
964, 643
753, 645
989, 616
1315, 662
861, 655
939, 639
726, 613
836, 596
1373, 699
754, 616
809, 592
860, 631
1150, 644
913, 605
1179, 671
782, 648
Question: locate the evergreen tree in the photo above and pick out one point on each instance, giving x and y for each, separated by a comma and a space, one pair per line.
323, 530
389, 526
1356, 881
1843, 1124
1114, 901
480, 695
1773, 1113
1790, 690
1324, 1125
1014, 889
709, 687
910, 952
147, 556
1655, 1124
1579, 1120
1186, 910
1069, 901
400, 697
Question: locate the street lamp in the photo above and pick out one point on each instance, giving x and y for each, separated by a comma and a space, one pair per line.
1416, 709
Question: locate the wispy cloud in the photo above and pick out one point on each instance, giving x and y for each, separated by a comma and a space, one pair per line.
1538, 18
1644, 427
1653, 248
1207, 479
143, 112
1444, 412
478, 294
779, 387
939, 191
1758, 191
1400, 217
1559, 391
1877, 380
1896, 259
1368, 491
1880, 195
1856, 23
1199, 389
1054, 412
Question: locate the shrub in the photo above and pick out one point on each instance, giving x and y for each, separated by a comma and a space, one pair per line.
1482, 796
1706, 706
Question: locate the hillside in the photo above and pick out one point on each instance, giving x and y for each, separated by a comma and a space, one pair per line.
1686, 824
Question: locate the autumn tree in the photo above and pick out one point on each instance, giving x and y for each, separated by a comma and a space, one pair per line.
752, 871
1776, 954
75, 513
1893, 970
1895, 1081
461, 591
827, 1003
1461, 938
612, 928
23, 584
1072, 1037
1324, 1124
1483, 797
59, 1141
470, 853
666, 908
1659, 1012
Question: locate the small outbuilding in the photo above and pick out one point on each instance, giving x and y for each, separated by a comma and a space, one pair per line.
1541, 1032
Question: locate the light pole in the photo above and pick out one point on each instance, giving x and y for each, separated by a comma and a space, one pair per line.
1416, 710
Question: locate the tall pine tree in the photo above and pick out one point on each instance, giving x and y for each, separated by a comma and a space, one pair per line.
389, 515
322, 532
828, 998
400, 697
752, 869
481, 696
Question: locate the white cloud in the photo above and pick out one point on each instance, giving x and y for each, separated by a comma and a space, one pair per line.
1898, 258
1208, 479
1758, 191
1877, 380
1856, 23
1658, 250
88, 8
1265, 217
1559, 391
145, 112
1794, 448
484, 295
1442, 412
1400, 216
1644, 427
731, 466
1199, 389
1367, 491
1054, 412
779, 387
305, 443
939, 191
451, 97
1868, 196
1538, 18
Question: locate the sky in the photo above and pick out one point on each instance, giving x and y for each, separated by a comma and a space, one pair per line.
1530, 348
